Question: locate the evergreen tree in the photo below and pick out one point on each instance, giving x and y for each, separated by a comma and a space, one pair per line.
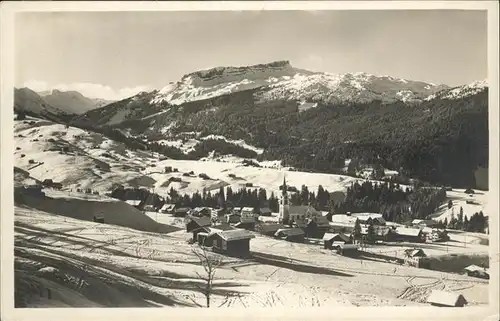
370, 237
450, 204
357, 230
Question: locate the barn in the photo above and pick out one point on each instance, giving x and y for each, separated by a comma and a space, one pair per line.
232, 243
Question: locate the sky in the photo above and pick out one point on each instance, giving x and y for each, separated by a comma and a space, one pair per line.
113, 55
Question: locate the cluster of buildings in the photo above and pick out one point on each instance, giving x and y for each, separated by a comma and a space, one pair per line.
294, 224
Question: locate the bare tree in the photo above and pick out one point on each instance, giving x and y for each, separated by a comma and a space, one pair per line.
210, 262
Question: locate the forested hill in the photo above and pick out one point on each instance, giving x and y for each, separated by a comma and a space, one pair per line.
440, 140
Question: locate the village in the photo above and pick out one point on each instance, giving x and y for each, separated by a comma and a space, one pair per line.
359, 236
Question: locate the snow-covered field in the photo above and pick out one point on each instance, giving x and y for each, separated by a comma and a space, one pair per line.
470, 204
89, 264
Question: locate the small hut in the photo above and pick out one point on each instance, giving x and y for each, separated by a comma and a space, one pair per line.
446, 299
232, 243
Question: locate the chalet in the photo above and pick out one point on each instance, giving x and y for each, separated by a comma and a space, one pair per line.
247, 215
446, 299
167, 208
291, 234
366, 218
410, 235
232, 243
265, 211
345, 249
181, 212
329, 238
233, 218
196, 224
382, 233
316, 226
216, 213
200, 211
414, 257
269, 229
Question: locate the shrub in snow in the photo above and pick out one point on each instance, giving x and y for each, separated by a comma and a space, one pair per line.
18, 148
31, 161
22, 155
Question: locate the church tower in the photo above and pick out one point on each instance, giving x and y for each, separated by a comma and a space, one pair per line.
284, 214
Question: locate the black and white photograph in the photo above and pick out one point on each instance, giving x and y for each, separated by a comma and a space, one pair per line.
251, 158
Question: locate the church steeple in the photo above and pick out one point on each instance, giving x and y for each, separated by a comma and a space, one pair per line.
284, 205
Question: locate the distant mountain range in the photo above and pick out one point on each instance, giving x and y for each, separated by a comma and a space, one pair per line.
55, 102
310, 120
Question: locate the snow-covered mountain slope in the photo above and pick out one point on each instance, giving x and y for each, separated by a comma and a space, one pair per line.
461, 91
82, 159
286, 82
72, 101
29, 101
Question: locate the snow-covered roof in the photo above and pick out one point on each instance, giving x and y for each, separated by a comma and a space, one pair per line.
133, 202
343, 219
168, 206
472, 268
445, 298
408, 231
330, 236
289, 232
233, 235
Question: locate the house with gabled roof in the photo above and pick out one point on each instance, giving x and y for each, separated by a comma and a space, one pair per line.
197, 224
269, 228
414, 235
167, 208
330, 238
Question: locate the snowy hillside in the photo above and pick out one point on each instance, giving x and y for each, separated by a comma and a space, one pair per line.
72, 102
289, 83
461, 91
470, 204
81, 159
78, 263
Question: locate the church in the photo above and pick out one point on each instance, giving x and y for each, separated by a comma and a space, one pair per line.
289, 213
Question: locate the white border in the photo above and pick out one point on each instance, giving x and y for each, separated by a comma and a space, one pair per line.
8, 9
